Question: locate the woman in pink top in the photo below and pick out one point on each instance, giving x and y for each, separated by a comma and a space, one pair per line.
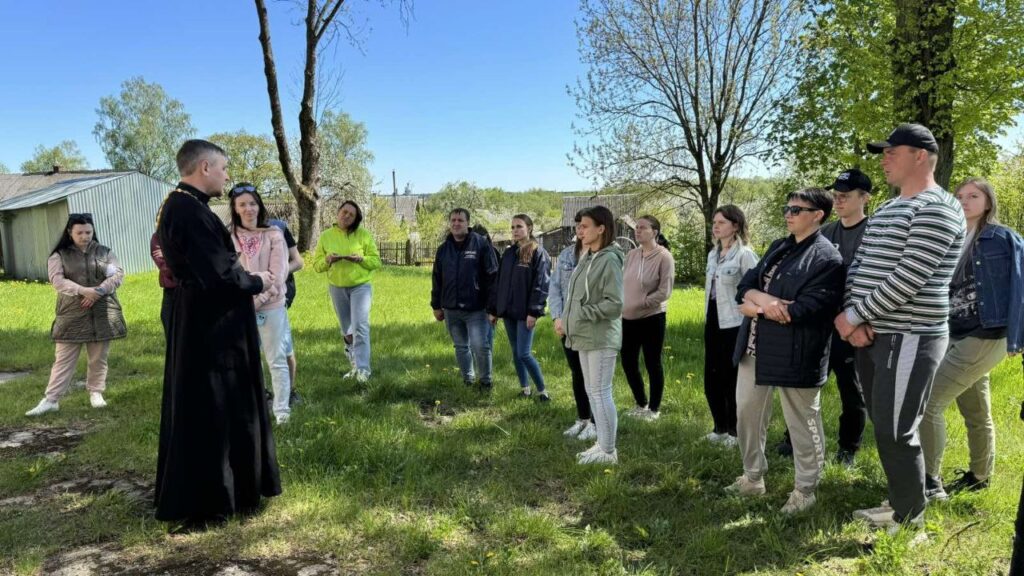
85, 275
261, 248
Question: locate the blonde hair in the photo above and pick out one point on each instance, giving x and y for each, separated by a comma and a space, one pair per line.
992, 212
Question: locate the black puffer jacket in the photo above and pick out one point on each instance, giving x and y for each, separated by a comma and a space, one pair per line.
464, 274
521, 289
810, 274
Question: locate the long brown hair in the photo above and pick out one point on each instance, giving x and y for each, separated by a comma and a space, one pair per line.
732, 213
527, 250
601, 216
992, 214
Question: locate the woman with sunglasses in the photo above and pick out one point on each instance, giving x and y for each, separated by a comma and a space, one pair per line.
85, 275
262, 248
347, 253
789, 300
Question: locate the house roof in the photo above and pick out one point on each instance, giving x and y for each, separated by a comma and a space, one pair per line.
404, 207
14, 185
25, 196
621, 205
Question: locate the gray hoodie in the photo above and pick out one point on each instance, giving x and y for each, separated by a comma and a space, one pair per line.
593, 307
647, 282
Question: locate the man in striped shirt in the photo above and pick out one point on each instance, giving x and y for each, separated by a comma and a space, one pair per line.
896, 309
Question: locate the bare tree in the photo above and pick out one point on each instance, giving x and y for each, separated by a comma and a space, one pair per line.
323, 22
680, 92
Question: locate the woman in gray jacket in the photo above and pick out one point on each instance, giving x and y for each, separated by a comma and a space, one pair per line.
593, 324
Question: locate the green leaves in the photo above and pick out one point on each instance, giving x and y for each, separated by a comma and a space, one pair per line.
66, 155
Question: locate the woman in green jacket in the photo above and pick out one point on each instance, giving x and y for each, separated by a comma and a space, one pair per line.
348, 254
593, 324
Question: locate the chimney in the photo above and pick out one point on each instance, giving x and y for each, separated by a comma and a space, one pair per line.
56, 169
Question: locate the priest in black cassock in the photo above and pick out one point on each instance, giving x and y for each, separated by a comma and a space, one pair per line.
216, 453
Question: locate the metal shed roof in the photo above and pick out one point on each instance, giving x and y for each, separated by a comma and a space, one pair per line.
58, 191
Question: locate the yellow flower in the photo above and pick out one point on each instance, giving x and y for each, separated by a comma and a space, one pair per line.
490, 554
689, 375
437, 402
474, 562
427, 365
607, 470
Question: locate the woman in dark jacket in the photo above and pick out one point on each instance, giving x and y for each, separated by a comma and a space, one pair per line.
85, 275
520, 295
789, 299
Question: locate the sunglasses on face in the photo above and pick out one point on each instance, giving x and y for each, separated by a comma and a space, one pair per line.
796, 210
80, 217
237, 190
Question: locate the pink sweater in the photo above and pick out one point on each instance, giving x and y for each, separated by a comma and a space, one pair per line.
647, 282
263, 250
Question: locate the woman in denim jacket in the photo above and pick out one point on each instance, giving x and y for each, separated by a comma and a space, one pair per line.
728, 261
986, 322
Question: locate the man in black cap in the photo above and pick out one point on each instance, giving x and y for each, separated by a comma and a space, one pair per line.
896, 311
851, 193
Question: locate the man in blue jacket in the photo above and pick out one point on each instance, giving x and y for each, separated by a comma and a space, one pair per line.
464, 272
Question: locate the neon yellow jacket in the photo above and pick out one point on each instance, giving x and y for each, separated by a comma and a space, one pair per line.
344, 273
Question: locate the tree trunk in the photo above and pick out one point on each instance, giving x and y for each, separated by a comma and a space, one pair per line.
922, 61
308, 207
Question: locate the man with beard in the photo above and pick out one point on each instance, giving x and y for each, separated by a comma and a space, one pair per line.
216, 455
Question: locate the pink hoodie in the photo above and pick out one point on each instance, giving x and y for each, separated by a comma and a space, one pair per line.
647, 282
261, 250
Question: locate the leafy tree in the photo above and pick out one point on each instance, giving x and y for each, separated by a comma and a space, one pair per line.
681, 92
66, 155
142, 129
868, 65
381, 220
344, 161
323, 21
253, 158
3, 168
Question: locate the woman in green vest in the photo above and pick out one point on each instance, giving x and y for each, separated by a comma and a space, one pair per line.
85, 275
348, 254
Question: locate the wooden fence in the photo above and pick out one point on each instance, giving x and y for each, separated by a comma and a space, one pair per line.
407, 253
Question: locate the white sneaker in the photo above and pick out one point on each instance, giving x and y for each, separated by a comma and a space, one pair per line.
362, 376
97, 401
744, 486
282, 419
715, 437
589, 432
595, 448
729, 441
576, 428
350, 374
798, 502
598, 457
43, 407
650, 415
636, 412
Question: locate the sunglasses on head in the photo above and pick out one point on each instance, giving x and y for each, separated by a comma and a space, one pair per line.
241, 190
80, 217
796, 210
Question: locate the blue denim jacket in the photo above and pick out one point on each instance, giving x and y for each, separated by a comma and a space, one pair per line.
999, 278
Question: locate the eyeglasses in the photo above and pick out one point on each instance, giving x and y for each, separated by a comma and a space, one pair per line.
85, 217
796, 210
238, 190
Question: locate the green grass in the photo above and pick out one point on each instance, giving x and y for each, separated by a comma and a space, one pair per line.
390, 482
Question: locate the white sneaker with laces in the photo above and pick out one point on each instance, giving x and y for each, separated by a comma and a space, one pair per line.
715, 437
43, 407
598, 457
595, 448
636, 412
650, 415
576, 428
744, 486
798, 502
362, 376
282, 419
729, 441
96, 400
350, 374
589, 432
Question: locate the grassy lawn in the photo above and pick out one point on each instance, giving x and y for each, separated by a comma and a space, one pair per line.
415, 474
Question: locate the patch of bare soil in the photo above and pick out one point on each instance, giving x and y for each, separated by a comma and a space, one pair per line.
38, 440
95, 560
436, 413
135, 490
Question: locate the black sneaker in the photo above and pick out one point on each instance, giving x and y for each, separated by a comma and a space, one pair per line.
543, 397
486, 387
468, 383
845, 458
933, 489
966, 482
784, 448
294, 398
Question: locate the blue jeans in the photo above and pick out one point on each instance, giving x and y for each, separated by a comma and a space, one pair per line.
471, 335
352, 305
521, 341
274, 331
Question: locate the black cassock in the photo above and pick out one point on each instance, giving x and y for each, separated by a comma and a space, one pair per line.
216, 453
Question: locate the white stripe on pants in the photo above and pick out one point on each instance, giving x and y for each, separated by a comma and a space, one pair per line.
598, 370
66, 357
801, 408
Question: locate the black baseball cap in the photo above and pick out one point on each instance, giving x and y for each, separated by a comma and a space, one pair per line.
914, 135
851, 179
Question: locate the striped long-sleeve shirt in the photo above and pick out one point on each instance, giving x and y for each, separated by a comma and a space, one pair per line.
899, 279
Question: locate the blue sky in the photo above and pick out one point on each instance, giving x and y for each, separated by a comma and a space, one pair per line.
472, 90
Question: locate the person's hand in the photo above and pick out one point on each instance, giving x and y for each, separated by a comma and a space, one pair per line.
89, 297
843, 326
530, 322
332, 258
353, 258
492, 319
268, 279
777, 311
558, 327
439, 315
749, 309
862, 336
158, 254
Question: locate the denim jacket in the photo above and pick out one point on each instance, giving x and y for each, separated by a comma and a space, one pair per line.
999, 278
558, 288
727, 275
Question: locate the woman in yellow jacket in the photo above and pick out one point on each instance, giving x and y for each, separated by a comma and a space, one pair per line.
348, 254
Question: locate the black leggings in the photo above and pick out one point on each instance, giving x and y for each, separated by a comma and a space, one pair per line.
647, 334
579, 391
720, 372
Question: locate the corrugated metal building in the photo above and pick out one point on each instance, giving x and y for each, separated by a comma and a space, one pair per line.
34, 209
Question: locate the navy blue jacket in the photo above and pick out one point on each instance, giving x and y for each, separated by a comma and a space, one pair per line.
463, 276
999, 279
522, 289
810, 275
